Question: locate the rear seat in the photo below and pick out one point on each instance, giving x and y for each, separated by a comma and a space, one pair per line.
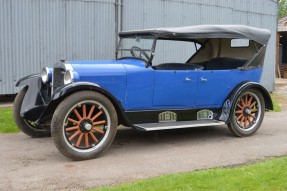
224, 63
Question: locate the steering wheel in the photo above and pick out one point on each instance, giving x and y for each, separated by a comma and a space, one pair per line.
135, 48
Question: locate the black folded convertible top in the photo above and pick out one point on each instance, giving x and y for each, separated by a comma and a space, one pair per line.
206, 31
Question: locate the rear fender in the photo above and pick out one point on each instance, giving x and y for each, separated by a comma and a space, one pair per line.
230, 102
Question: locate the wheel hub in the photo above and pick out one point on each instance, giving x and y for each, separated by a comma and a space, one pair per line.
247, 111
86, 126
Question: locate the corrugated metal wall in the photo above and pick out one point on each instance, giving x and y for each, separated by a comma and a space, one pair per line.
138, 14
37, 33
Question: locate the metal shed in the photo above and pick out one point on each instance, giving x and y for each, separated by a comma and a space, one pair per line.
34, 34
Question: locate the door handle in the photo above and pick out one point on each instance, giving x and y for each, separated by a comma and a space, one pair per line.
187, 79
203, 79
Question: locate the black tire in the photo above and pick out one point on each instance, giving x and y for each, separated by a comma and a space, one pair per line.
248, 113
74, 130
27, 127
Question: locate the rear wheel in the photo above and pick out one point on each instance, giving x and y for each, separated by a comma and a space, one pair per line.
248, 113
27, 127
84, 125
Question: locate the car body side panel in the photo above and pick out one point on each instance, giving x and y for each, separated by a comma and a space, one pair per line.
140, 85
175, 88
110, 75
139, 88
215, 85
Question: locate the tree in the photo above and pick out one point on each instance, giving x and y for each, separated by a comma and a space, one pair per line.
282, 8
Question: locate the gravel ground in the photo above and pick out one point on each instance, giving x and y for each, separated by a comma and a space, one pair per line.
35, 164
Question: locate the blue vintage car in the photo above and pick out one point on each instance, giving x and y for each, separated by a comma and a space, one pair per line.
163, 78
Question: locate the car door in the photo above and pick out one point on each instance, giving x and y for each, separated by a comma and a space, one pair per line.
213, 87
174, 88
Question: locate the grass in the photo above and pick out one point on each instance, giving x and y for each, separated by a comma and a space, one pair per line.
268, 175
278, 101
7, 124
276, 107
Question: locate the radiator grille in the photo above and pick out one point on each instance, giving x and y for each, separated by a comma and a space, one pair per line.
58, 78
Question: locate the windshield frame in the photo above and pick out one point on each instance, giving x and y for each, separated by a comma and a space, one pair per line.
148, 62
153, 48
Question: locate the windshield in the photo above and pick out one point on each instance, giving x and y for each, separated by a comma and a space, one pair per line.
136, 46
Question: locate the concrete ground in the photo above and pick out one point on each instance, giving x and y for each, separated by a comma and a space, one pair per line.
36, 164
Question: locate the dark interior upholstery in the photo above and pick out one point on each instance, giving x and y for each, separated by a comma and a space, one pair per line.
213, 64
178, 66
223, 63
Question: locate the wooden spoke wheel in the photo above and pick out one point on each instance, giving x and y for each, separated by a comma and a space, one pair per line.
248, 113
84, 125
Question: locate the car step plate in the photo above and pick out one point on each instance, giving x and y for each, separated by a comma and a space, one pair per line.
178, 125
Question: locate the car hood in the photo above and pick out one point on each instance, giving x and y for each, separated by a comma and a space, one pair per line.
111, 75
107, 64
87, 70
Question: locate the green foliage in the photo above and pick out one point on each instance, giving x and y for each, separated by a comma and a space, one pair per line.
7, 124
277, 99
268, 175
282, 9
276, 107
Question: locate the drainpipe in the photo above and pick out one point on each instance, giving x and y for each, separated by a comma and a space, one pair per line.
118, 20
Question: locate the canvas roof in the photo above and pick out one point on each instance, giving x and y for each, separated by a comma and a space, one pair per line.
206, 31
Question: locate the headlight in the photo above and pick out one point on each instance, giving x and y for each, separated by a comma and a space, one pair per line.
68, 77
46, 75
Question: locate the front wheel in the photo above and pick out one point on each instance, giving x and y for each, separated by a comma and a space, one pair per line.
84, 125
248, 113
27, 127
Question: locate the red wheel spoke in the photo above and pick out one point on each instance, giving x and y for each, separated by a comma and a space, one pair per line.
72, 128
253, 104
245, 122
239, 106
240, 111
80, 139
91, 111
241, 121
253, 116
242, 101
249, 102
84, 111
246, 100
73, 121
93, 137
99, 130
239, 116
249, 120
74, 135
87, 140
99, 122
254, 110
77, 114
97, 115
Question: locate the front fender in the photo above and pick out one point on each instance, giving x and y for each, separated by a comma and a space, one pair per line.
62, 92
26, 80
230, 102
36, 97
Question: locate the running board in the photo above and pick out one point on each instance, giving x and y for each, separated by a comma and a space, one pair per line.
177, 125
